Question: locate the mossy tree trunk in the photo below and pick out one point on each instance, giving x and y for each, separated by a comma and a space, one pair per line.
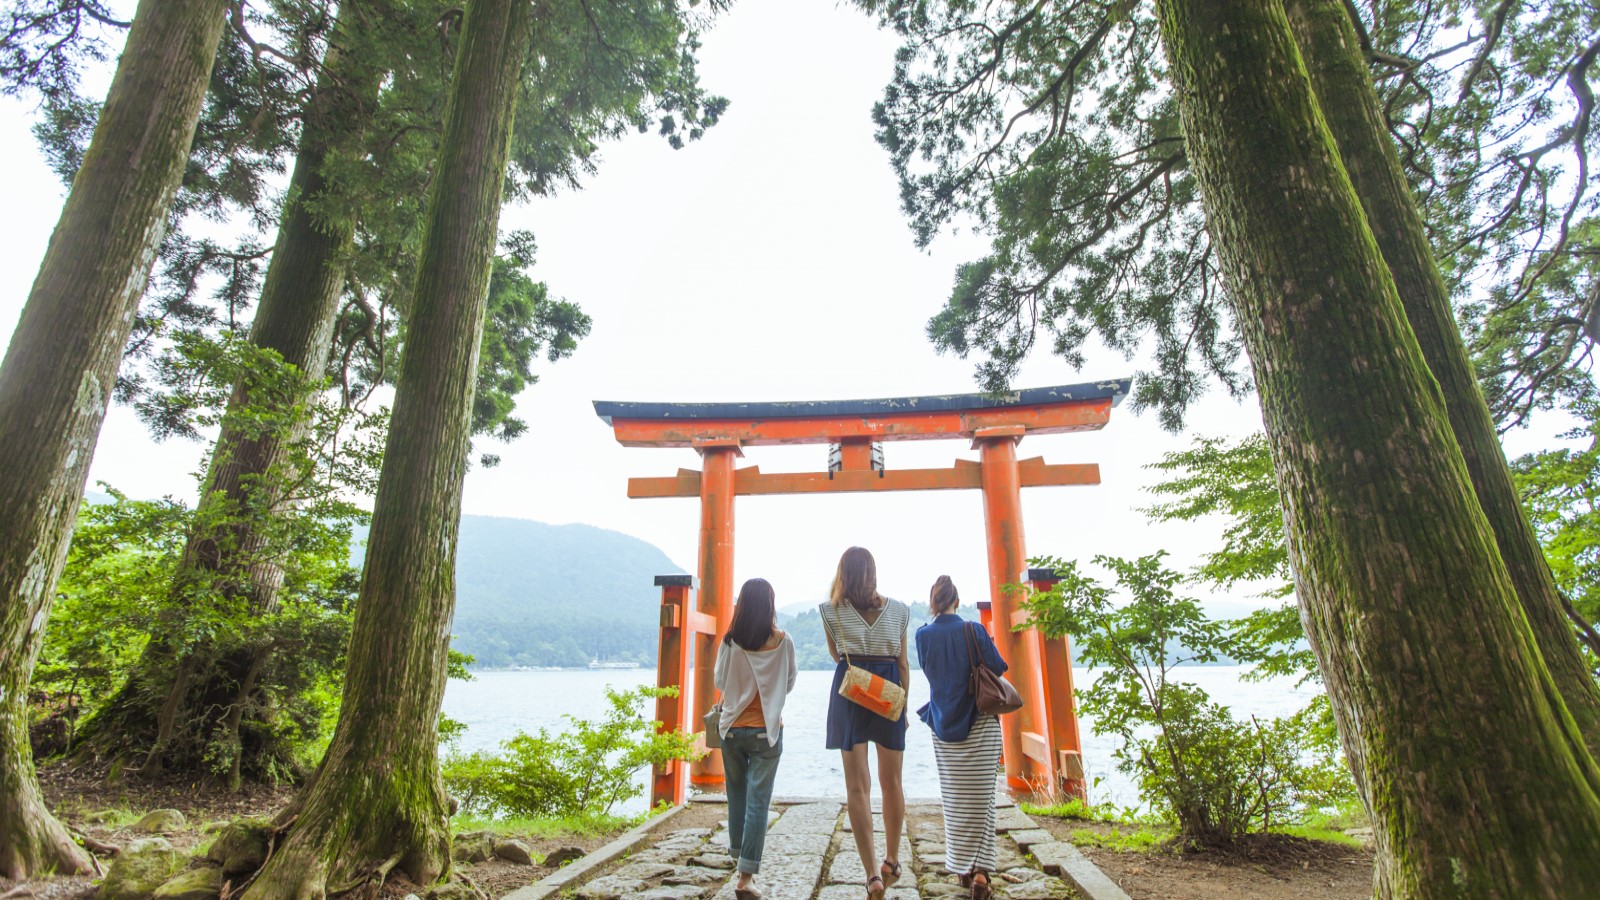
1343, 86
58, 372
377, 801
196, 687
1476, 776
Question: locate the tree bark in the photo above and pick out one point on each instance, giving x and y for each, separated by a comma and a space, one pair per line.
377, 800
58, 371
295, 317
1343, 86
1475, 774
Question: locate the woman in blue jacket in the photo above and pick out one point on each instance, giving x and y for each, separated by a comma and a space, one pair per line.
966, 743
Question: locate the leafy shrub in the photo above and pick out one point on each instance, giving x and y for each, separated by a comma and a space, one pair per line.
588, 768
1192, 761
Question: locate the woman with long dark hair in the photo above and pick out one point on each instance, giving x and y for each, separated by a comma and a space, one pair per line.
966, 742
871, 630
755, 673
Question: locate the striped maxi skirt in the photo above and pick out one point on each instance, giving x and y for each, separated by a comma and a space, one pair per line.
966, 786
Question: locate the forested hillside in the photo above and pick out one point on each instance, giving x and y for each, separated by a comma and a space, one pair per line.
532, 594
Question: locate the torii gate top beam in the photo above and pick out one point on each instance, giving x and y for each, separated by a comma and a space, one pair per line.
1050, 410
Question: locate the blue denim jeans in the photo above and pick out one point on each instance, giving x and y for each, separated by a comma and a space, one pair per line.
749, 766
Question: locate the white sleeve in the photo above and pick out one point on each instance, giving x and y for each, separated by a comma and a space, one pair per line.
719, 677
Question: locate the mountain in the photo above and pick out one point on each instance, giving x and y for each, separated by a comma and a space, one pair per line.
532, 594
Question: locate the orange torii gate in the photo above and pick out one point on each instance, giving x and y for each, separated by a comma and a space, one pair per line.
1041, 742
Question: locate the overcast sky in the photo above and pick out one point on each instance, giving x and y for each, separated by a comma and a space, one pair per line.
768, 261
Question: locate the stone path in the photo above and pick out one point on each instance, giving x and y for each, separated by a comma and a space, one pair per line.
810, 855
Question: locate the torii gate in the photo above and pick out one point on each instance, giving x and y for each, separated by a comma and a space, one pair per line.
1040, 741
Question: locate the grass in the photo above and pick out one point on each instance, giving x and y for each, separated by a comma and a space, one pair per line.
1316, 833
1135, 839
582, 825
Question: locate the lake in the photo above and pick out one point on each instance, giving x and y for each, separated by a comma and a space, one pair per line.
497, 704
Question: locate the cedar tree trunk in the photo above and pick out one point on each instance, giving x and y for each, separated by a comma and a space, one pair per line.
1475, 774
377, 801
58, 371
1343, 85
182, 700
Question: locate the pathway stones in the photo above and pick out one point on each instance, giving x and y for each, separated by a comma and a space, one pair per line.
810, 855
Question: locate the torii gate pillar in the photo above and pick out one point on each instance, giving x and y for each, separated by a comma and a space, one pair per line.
716, 585
1027, 754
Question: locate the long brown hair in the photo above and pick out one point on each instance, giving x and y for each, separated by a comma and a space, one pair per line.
943, 597
753, 615
856, 581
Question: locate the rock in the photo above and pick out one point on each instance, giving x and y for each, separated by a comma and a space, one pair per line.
161, 821
514, 851
659, 855
1027, 837
611, 887
452, 890
945, 889
644, 871
674, 892
472, 847
139, 869
241, 848
563, 855
1046, 888
214, 826
694, 875
708, 861
204, 883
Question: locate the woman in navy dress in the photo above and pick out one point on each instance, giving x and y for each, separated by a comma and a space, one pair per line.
871, 629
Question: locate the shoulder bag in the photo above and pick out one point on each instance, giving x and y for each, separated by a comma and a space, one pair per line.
713, 722
874, 692
995, 695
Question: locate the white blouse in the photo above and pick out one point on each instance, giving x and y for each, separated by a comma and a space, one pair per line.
852, 634
743, 674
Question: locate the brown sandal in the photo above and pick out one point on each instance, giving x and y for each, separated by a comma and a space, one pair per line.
746, 894
876, 894
891, 873
980, 889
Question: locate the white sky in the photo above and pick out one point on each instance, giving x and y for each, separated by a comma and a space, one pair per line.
768, 261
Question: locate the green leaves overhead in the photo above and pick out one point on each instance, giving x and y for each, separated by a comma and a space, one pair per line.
1050, 128
596, 71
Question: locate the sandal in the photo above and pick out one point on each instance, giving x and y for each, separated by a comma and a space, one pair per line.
891, 873
980, 889
746, 894
875, 894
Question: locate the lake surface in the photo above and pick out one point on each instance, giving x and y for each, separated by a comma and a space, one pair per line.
496, 705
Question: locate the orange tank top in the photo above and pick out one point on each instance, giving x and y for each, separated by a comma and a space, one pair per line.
752, 717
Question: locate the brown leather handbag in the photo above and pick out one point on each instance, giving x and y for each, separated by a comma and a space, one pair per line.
995, 695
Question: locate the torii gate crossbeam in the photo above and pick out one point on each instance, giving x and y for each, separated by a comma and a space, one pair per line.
1040, 741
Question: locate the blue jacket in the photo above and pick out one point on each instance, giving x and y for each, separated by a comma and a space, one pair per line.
946, 657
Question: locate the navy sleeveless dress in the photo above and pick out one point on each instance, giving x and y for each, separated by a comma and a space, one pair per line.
875, 647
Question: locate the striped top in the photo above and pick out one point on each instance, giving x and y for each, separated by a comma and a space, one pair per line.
852, 634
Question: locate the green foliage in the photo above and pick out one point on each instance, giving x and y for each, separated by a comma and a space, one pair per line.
116, 590
1560, 490
587, 768
122, 584
1052, 128
1235, 480
1191, 759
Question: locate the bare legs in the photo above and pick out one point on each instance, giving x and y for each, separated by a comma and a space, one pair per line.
894, 801
858, 794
